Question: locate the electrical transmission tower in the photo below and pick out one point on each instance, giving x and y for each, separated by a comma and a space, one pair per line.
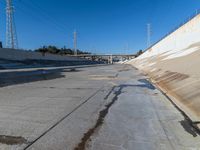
149, 34
75, 43
11, 35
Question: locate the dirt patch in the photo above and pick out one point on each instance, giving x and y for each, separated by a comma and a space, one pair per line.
103, 77
124, 70
171, 76
11, 140
189, 127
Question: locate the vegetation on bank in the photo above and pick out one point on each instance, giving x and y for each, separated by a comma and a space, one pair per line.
59, 51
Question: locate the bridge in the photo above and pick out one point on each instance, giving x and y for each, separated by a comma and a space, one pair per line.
108, 58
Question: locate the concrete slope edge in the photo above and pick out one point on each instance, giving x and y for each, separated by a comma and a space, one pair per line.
19, 54
191, 118
188, 117
173, 65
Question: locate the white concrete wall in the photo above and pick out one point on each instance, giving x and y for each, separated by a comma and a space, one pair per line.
22, 55
173, 65
178, 42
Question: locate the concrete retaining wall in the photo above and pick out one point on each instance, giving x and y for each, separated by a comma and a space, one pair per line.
174, 65
24, 55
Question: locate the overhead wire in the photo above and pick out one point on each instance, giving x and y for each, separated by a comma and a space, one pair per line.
29, 9
40, 18
43, 14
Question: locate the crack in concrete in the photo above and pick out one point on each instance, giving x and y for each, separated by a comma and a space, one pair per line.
102, 114
64, 117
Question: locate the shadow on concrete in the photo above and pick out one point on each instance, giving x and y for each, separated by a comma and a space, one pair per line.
71, 70
17, 77
32, 63
145, 84
189, 128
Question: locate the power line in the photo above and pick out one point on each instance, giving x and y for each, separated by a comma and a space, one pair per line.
40, 19
149, 32
43, 14
30, 7
75, 43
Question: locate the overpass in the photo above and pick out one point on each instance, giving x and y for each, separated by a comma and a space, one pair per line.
108, 58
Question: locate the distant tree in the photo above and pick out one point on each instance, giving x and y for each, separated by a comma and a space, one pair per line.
42, 50
140, 52
62, 51
53, 49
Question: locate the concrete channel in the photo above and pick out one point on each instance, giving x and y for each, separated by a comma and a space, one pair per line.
110, 107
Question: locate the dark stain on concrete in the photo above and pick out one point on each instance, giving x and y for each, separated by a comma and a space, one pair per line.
106, 97
146, 84
189, 127
12, 140
71, 70
104, 112
171, 76
124, 70
100, 120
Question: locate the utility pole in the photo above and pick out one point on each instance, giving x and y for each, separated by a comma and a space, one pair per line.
75, 43
149, 35
126, 48
197, 11
11, 35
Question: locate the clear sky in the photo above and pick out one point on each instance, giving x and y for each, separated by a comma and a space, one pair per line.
103, 26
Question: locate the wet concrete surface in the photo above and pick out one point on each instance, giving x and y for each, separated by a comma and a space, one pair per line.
88, 110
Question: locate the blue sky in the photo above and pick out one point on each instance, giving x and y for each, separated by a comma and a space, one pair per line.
103, 26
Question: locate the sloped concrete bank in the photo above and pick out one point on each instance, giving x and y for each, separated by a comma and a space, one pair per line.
14, 54
173, 64
16, 59
30, 63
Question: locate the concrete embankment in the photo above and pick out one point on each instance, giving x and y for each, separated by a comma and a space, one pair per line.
13, 54
20, 66
16, 59
173, 64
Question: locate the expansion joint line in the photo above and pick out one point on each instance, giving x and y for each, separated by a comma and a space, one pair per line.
63, 118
